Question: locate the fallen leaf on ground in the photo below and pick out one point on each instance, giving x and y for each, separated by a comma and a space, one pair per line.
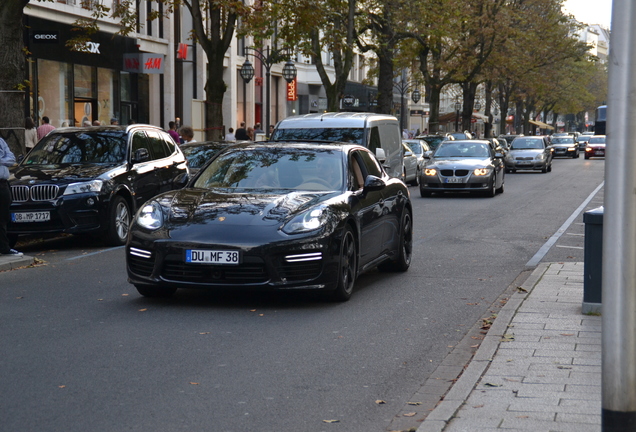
194, 383
478, 406
380, 402
412, 414
492, 385
522, 289
414, 403
143, 310
61, 386
330, 421
202, 333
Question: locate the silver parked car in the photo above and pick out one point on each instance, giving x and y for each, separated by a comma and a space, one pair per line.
414, 158
464, 166
529, 153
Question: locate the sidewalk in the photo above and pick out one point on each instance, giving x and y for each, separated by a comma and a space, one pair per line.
9, 263
538, 368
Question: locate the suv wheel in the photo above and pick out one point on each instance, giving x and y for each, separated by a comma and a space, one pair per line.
118, 221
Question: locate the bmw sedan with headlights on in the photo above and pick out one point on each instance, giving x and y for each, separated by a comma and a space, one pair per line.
274, 216
463, 166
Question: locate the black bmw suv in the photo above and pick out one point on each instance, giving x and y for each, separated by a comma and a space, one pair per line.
91, 180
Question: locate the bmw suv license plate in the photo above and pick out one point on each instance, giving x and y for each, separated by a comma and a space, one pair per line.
199, 256
41, 216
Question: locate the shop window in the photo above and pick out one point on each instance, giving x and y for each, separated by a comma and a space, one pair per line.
54, 92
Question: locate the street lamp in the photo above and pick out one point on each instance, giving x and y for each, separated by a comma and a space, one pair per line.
404, 87
268, 58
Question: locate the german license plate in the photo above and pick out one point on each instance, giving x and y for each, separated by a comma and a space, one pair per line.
21, 217
454, 180
524, 163
599, 152
213, 257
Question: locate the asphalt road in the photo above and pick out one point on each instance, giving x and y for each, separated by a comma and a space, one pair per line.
82, 351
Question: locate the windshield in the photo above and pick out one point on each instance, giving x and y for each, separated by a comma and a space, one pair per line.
433, 142
415, 146
275, 168
351, 135
463, 150
564, 140
526, 143
104, 147
198, 155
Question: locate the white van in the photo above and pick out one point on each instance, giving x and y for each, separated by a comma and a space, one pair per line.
380, 133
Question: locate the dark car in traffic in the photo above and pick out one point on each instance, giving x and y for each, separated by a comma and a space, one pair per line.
463, 166
565, 146
274, 216
91, 180
595, 147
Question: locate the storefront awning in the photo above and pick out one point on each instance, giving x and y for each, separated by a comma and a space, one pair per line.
541, 124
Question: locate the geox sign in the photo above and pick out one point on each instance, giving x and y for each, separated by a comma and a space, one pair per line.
46, 37
89, 47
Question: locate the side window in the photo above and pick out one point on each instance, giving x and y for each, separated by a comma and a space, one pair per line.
371, 165
168, 142
374, 139
139, 141
158, 149
356, 175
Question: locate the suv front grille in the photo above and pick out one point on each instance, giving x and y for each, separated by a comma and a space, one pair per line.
22, 193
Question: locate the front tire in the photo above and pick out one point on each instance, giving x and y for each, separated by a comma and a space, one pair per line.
155, 292
118, 221
348, 267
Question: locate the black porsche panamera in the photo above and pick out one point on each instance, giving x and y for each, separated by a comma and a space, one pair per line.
274, 216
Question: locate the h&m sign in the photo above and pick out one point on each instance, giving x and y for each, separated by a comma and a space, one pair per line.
144, 63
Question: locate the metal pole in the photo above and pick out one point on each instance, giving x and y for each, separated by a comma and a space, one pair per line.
268, 65
619, 229
402, 116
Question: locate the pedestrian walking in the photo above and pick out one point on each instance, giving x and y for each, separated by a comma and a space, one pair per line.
7, 159
172, 131
229, 136
241, 133
45, 128
187, 134
30, 134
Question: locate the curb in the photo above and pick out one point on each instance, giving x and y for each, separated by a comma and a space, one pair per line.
437, 420
8, 263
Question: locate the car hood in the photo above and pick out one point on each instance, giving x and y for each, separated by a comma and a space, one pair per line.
564, 145
60, 174
204, 207
597, 145
454, 163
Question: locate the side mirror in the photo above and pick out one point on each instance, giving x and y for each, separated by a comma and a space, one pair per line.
373, 183
181, 180
408, 153
428, 154
380, 154
141, 155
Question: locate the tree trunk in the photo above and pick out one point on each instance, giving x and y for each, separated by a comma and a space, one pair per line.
487, 108
434, 98
13, 76
385, 79
215, 89
469, 89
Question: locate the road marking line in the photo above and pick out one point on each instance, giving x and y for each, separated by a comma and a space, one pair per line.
94, 253
534, 261
569, 247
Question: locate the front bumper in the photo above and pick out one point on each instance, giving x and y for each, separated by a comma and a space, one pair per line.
311, 263
525, 164
456, 182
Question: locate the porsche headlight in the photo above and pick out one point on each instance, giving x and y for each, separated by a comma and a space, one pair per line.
84, 187
309, 220
482, 171
150, 216
430, 171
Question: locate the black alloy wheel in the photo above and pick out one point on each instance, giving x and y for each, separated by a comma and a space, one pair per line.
348, 268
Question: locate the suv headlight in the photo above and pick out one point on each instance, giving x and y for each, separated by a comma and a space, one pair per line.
150, 216
309, 220
84, 187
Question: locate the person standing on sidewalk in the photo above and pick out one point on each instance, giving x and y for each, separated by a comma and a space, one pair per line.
44, 128
7, 159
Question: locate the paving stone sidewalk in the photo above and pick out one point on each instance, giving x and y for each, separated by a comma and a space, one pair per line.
539, 367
